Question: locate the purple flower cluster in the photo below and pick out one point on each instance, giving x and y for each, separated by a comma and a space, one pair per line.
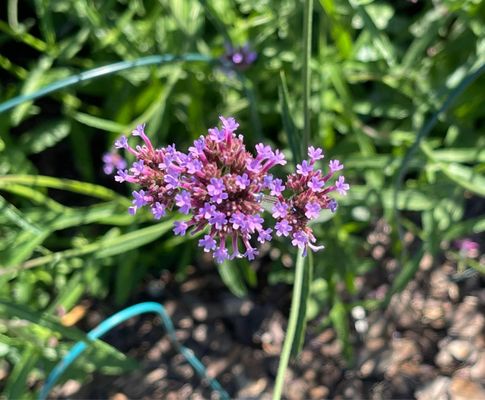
308, 197
220, 187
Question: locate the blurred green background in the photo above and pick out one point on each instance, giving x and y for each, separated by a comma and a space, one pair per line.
397, 94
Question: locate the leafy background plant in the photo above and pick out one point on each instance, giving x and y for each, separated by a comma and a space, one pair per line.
396, 93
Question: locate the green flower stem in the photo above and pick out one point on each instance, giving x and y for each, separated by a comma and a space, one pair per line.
292, 325
307, 50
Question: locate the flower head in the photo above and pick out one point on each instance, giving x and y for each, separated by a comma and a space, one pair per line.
220, 187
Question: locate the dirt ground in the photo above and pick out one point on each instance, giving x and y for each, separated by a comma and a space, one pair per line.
428, 344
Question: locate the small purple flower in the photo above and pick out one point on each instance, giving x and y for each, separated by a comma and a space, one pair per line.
208, 243
300, 240
280, 210
264, 152
113, 161
304, 168
316, 184
276, 187
138, 168
139, 131
193, 166
333, 205
335, 166
217, 135
254, 166
242, 181
221, 255
315, 153
207, 211
171, 181
240, 57
158, 210
121, 143
251, 253
312, 210
122, 176
229, 124
218, 219
254, 222
183, 201
279, 158
341, 186
238, 221
139, 198
283, 228
180, 227
264, 235
267, 181
198, 148
216, 190
216, 187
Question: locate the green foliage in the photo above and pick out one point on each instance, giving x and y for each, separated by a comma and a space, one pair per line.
393, 89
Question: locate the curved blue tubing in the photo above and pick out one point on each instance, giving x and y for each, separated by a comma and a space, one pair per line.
116, 319
99, 72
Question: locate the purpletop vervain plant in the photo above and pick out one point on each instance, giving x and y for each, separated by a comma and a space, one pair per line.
221, 187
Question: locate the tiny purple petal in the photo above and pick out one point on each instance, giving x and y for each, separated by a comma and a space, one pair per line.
207, 211
280, 210
242, 181
139, 198
221, 255
122, 175
264, 235
158, 210
304, 168
315, 153
341, 186
251, 253
279, 158
316, 184
229, 124
335, 165
333, 205
283, 228
300, 240
139, 131
180, 227
218, 219
184, 202
312, 210
276, 187
137, 168
121, 143
208, 243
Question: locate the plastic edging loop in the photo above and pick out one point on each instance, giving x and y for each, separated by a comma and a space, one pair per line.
113, 321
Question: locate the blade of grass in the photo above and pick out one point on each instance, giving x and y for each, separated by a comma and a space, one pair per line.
99, 72
85, 188
286, 116
102, 248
